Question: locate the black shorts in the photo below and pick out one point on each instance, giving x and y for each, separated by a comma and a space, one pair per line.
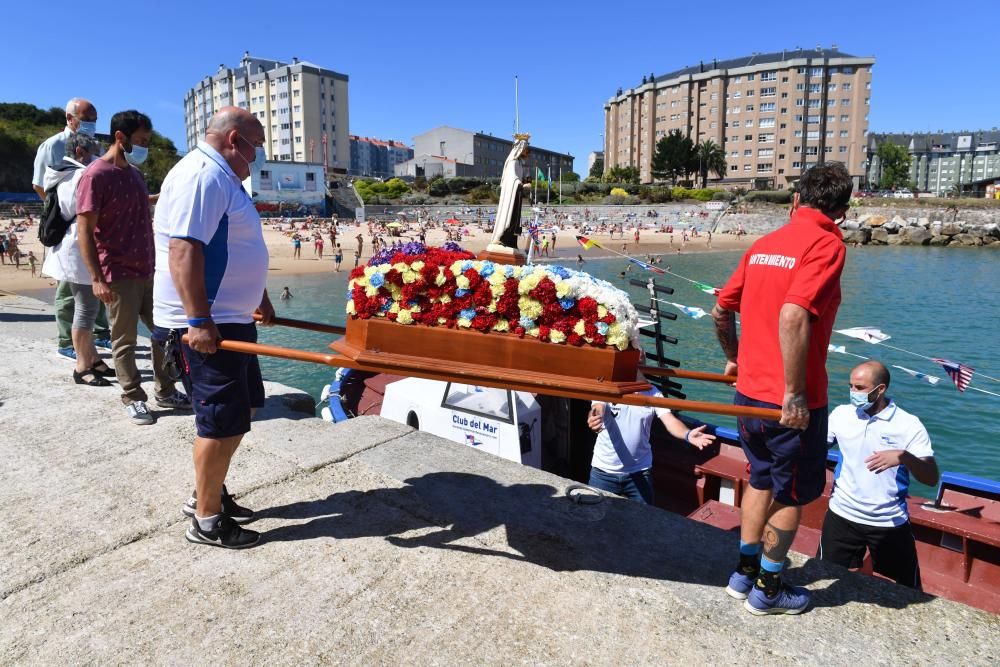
893, 549
787, 460
224, 386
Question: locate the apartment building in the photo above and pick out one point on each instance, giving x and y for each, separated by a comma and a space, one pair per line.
944, 161
466, 153
302, 106
774, 114
377, 157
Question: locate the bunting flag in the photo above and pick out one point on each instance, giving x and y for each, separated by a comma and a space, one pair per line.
690, 311
587, 243
867, 334
929, 379
648, 267
840, 349
708, 289
960, 374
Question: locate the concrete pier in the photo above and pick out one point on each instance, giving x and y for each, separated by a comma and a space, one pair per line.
381, 545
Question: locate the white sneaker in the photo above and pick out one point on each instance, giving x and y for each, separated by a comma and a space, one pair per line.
139, 413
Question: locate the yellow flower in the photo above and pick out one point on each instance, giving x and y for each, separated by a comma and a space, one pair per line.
497, 291
497, 278
562, 288
529, 307
404, 317
440, 279
350, 308
395, 307
416, 266
400, 266
528, 283
456, 267
557, 336
601, 311
462, 282
534, 331
501, 325
444, 299
442, 320
462, 322
371, 291
369, 270
492, 308
395, 290
579, 328
410, 276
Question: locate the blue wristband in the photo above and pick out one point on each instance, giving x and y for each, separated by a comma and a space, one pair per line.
199, 321
687, 437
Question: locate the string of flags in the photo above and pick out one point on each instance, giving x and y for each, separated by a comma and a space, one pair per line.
960, 374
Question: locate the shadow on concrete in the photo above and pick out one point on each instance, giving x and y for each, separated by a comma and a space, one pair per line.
550, 530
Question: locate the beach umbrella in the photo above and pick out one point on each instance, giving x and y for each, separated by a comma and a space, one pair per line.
394, 224
453, 221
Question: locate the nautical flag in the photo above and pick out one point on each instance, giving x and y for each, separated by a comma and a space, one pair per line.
539, 175
929, 379
840, 349
690, 311
587, 243
644, 265
960, 374
867, 334
708, 289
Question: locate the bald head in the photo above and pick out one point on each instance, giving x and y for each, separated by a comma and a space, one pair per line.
870, 374
78, 109
227, 119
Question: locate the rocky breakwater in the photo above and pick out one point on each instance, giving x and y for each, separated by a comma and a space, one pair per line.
881, 229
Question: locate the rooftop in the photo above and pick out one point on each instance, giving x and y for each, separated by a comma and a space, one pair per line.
758, 59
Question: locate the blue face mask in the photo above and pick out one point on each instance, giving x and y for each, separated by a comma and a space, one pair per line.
859, 399
87, 127
138, 155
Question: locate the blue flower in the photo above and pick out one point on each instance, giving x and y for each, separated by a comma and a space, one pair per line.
348, 295
508, 271
466, 265
561, 272
376, 280
487, 270
461, 292
467, 314
527, 322
602, 328
386, 306
567, 303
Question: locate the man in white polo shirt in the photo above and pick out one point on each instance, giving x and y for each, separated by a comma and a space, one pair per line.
211, 274
880, 445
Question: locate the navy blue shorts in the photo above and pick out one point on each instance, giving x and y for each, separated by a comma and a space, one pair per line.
787, 460
224, 386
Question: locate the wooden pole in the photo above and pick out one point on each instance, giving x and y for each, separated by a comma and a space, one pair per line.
305, 324
496, 379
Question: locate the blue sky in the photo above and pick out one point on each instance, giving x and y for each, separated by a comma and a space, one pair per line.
416, 65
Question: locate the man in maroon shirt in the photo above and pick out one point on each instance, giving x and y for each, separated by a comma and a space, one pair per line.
787, 289
116, 241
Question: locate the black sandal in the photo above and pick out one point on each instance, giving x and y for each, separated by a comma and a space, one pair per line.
97, 380
103, 369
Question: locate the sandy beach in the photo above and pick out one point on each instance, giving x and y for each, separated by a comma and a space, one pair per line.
279, 244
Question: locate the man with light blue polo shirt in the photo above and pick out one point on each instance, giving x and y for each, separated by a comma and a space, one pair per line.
211, 274
880, 445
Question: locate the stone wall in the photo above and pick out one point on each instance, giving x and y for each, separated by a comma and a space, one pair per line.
916, 227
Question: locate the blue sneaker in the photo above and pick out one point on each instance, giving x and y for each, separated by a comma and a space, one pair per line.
788, 600
740, 584
67, 352
103, 343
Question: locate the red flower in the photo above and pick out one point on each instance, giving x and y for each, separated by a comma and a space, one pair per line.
588, 308
575, 339
519, 331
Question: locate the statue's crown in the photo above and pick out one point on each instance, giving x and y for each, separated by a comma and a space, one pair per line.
522, 136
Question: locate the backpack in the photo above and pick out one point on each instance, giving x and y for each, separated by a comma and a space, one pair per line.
52, 226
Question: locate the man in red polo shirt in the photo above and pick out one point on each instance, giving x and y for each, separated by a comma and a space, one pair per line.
787, 290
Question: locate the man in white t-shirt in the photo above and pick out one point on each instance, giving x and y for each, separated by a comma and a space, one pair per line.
880, 445
210, 278
623, 456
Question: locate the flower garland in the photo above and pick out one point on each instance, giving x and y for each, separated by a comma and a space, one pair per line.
448, 287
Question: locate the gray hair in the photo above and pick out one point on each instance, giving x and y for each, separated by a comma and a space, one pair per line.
80, 140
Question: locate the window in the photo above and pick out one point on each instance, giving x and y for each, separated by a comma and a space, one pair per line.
734, 167
295, 77
765, 168
814, 88
816, 71
828, 149
295, 93
845, 118
812, 135
784, 96
285, 142
784, 110
767, 138
748, 137
781, 142
769, 76
815, 103
274, 97
766, 122
765, 152
829, 134
799, 102
750, 77
843, 134
284, 126
784, 79
713, 125
746, 167
812, 150
767, 106
798, 133
297, 108
298, 139
831, 86
812, 120
298, 124
713, 110
714, 96
845, 86
737, 95
796, 165
842, 149
749, 107
847, 70
748, 122
868, 101
750, 93
748, 153
845, 102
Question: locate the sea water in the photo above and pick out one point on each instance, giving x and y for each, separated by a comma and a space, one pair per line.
938, 302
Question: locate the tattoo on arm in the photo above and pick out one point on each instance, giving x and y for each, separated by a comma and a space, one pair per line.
725, 331
777, 542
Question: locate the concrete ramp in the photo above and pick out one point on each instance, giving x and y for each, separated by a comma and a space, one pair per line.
381, 545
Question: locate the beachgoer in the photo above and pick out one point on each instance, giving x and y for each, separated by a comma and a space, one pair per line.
81, 117
787, 290
361, 245
65, 263
319, 245
296, 247
623, 457
286, 294
13, 251
116, 242
637, 236
622, 275
579, 261
880, 445
338, 257
545, 247
32, 260
3, 249
218, 302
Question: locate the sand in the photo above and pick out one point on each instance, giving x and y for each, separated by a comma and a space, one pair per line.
282, 263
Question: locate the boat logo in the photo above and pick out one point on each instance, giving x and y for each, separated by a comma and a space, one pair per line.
471, 440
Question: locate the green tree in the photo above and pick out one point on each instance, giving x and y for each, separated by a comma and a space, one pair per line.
570, 177
396, 188
162, 158
674, 156
622, 175
895, 161
712, 158
597, 170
